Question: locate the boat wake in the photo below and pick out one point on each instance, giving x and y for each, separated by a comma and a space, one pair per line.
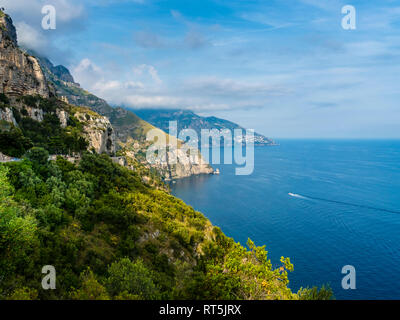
295, 195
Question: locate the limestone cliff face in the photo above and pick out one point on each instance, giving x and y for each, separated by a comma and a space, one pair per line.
185, 166
6, 115
63, 116
172, 162
4, 158
98, 130
20, 73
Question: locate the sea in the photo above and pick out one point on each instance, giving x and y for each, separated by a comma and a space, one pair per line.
325, 204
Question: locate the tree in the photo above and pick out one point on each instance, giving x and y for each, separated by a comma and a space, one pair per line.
13, 143
23, 294
131, 277
38, 155
91, 289
17, 230
324, 293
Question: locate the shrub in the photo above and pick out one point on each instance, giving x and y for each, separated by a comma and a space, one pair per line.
131, 277
13, 143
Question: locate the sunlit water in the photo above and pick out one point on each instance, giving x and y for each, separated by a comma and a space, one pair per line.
345, 210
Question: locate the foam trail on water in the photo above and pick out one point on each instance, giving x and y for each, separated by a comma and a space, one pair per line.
295, 195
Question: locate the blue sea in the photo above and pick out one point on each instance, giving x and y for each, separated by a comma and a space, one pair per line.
345, 211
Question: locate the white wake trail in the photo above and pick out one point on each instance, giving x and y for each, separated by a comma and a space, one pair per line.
295, 195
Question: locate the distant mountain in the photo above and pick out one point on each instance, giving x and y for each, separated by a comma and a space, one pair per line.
187, 119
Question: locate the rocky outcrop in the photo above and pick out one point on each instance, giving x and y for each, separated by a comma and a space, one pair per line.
35, 113
61, 72
20, 73
6, 115
4, 158
171, 161
185, 166
63, 116
98, 131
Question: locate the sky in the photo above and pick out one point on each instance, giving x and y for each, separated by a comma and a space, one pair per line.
286, 68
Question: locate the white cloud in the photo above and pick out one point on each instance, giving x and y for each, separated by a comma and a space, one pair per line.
223, 87
31, 38
151, 101
143, 88
87, 73
107, 84
27, 17
134, 85
144, 69
31, 9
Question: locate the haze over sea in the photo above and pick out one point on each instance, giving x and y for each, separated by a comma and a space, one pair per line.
347, 211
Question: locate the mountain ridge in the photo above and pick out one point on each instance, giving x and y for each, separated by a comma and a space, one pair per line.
188, 119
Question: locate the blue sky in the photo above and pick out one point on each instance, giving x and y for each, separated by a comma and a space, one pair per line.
284, 68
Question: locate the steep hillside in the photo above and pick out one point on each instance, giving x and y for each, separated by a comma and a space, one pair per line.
130, 130
188, 119
30, 113
62, 129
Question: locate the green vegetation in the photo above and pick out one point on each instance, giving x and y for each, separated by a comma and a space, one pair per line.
13, 142
47, 133
47, 105
109, 236
111, 232
4, 102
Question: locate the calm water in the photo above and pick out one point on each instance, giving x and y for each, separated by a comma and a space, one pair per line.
349, 212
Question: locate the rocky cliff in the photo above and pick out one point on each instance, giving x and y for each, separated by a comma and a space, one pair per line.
26, 96
97, 129
20, 73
